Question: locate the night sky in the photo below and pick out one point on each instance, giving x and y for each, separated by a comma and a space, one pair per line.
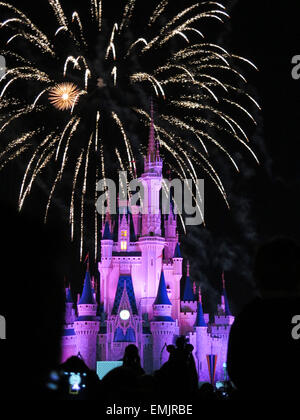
264, 199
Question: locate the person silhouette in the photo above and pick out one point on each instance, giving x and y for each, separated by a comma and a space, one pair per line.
263, 358
32, 302
178, 376
131, 359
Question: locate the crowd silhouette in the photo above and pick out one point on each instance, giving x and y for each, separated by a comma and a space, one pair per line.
263, 356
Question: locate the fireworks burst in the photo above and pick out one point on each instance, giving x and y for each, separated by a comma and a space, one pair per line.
93, 76
64, 96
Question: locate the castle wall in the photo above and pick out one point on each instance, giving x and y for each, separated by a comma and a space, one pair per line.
68, 347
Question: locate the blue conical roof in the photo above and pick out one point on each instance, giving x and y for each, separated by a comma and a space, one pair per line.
87, 297
162, 297
69, 298
188, 295
200, 321
107, 233
177, 253
227, 309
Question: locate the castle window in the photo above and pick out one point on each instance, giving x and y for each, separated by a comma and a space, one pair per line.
124, 314
124, 240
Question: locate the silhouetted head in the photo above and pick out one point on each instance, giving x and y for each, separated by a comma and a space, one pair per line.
277, 266
170, 348
74, 364
131, 352
181, 342
131, 356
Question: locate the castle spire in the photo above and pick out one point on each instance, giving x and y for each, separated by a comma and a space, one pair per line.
69, 298
225, 303
199, 295
87, 297
151, 143
200, 321
177, 252
188, 295
162, 297
107, 234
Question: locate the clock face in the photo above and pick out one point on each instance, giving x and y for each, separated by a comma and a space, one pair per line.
124, 314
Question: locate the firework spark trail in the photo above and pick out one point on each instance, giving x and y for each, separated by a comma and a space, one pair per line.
202, 79
40, 164
75, 16
178, 157
24, 111
38, 42
4, 103
124, 193
96, 12
15, 155
184, 175
111, 45
73, 130
39, 96
100, 15
175, 141
69, 124
34, 155
58, 11
83, 193
158, 11
15, 143
130, 155
77, 169
127, 14
7, 53
24, 19
138, 41
57, 179
97, 131
139, 77
24, 77
183, 125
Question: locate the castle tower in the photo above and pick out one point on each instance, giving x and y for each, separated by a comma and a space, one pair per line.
106, 258
87, 324
152, 183
189, 300
151, 243
224, 309
224, 316
68, 343
201, 340
69, 312
221, 329
162, 325
124, 233
171, 236
176, 276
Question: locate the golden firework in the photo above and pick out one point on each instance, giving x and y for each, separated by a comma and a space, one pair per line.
64, 96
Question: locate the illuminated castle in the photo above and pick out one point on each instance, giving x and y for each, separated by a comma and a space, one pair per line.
140, 302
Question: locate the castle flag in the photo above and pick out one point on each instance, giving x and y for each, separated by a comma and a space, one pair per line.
212, 363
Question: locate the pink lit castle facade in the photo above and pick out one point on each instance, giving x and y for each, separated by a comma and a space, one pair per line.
140, 301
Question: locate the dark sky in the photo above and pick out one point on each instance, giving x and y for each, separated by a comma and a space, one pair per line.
264, 199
